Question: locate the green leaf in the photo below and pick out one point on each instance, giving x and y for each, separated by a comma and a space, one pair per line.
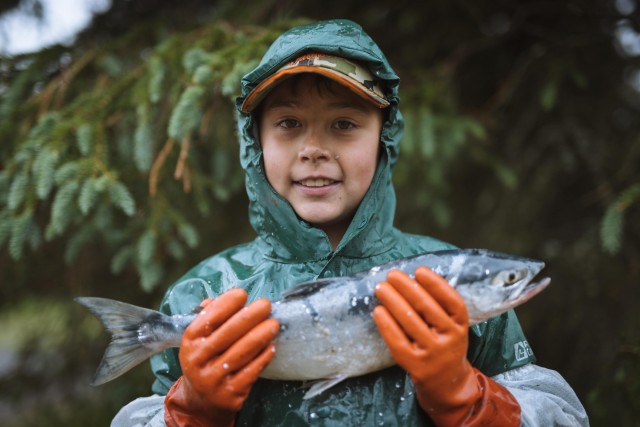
122, 198
231, 82
188, 234
175, 249
203, 75
146, 247
18, 190
150, 275
193, 58
157, 73
62, 209
611, 230
143, 146
186, 115
548, 97
44, 168
427, 135
20, 228
6, 223
629, 196
67, 172
84, 138
120, 259
34, 235
88, 195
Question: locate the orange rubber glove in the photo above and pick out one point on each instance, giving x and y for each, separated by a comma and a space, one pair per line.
425, 324
222, 353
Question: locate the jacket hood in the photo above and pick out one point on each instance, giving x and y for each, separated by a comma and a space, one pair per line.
371, 230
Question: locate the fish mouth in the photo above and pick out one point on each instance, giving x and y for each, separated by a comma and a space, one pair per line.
529, 291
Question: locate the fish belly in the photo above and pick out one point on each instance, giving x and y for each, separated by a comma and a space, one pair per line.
328, 334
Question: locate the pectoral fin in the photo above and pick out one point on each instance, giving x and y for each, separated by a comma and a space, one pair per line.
322, 385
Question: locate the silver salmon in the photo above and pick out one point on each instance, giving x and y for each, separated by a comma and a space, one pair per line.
327, 330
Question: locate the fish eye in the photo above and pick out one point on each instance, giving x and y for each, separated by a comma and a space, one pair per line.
507, 278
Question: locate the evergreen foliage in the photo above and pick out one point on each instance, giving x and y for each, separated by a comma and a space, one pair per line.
111, 148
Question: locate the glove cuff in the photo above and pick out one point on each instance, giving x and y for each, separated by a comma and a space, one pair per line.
183, 409
478, 401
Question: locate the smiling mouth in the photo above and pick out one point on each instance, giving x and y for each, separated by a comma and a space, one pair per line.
316, 182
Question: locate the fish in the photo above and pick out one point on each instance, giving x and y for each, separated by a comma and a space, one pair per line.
327, 332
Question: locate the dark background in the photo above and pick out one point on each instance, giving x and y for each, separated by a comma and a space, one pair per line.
523, 136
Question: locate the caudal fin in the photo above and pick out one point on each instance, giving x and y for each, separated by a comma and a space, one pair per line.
123, 322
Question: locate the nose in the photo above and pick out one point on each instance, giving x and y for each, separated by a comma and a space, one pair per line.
313, 150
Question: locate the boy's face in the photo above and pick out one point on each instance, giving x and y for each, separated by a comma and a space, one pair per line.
320, 144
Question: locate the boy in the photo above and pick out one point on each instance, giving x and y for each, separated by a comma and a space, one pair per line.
320, 129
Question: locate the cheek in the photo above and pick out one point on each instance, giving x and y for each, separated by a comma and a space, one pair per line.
364, 166
269, 166
274, 161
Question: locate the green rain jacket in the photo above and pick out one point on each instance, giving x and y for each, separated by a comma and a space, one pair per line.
288, 251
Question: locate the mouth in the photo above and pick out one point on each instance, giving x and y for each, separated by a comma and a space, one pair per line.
316, 182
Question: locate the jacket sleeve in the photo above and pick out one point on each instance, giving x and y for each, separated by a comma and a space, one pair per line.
142, 412
545, 398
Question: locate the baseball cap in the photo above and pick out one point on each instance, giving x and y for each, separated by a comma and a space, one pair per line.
344, 71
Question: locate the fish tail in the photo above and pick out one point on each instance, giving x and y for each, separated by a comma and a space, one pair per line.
123, 321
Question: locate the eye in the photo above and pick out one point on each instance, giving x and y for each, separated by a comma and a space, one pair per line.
344, 125
511, 277
507, 278
288, 123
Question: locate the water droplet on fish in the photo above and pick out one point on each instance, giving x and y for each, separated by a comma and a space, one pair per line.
313, 415
225, 366
366, 300
397, 385
402, 398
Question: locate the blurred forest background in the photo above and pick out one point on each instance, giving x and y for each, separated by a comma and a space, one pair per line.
119, 171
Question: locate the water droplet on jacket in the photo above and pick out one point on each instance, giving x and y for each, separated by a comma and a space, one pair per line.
225, 366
